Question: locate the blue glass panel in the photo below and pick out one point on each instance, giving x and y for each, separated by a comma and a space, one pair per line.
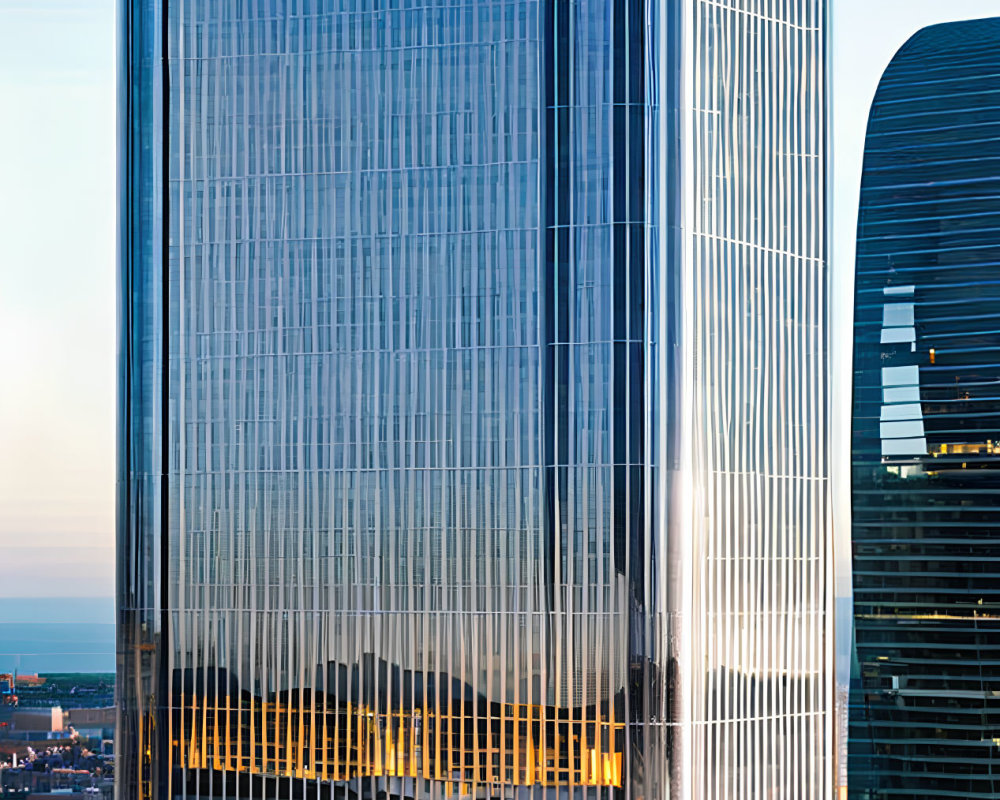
926, 443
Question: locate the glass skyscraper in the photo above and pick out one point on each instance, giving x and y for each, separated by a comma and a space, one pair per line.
473, 400
925, 700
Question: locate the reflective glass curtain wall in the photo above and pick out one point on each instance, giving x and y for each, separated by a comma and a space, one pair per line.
420, 464
141, 388
750, 524
925, 702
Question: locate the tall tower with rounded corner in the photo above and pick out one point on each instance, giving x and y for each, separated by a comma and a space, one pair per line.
925, 700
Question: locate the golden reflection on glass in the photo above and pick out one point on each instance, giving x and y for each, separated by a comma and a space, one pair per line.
519, 745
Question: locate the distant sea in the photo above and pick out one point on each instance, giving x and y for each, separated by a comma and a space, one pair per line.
57, 634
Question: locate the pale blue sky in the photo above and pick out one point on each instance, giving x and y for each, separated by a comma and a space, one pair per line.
57, 307
57, 281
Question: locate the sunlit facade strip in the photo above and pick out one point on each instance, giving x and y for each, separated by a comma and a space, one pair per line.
756, 624
473, 406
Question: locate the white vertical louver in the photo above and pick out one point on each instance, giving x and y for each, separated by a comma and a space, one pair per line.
756, 711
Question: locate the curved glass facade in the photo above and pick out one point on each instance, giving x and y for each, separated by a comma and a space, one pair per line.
423, 485
925, 704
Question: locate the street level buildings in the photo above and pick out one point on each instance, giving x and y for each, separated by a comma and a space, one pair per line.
473, 400
925, 696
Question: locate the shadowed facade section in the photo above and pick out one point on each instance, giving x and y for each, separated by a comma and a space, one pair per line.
925, 693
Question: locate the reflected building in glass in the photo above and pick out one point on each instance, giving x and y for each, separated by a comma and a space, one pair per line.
925, 701
473, 400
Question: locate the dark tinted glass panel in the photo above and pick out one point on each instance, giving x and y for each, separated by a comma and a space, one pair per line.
925, 702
